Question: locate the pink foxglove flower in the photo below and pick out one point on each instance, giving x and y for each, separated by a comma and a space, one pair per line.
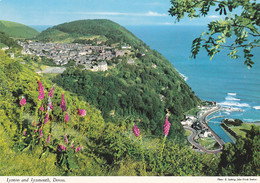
24, 132
41, 90
51, 92
136, 131
35, 130
66, 139
63, 104
78, 148
46, 118
42, 108
61, 147
166, 127
23, 101
67, 117
81, 112
48, 139
41, 134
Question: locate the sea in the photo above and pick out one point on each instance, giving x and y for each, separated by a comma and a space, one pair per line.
227, 81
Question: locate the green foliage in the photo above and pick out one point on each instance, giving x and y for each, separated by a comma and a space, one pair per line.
17, 30
242, 158
80, 31
7, 41
140, 91
236, 122
243, 27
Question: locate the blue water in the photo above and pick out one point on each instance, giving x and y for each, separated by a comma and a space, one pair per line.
228, 82
215, 126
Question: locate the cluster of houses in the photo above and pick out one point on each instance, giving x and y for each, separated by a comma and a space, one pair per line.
192, 121
92, 57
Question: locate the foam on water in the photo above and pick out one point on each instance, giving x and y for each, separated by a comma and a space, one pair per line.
232, 98
184, 77
233, 104
232, 94
256, 107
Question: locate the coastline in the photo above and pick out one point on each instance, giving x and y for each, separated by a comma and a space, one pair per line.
203, 117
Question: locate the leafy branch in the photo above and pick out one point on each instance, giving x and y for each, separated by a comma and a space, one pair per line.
243, 27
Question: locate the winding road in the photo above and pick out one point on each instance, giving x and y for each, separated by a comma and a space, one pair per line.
203, 120
197, 145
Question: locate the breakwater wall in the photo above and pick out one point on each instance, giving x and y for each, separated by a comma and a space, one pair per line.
231, 132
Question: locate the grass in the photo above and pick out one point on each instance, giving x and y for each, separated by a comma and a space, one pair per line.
17, 30
207, 142
187, 133
241, 130
192, 111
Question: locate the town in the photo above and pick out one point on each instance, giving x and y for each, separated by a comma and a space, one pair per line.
94, 58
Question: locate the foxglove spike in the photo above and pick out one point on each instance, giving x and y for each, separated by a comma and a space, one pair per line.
48, 139
41, 90
63, 104
46, 118
23, 101
136, 131
81, 112
51, 92
61, 147
166, 127
78, 148
24, 132
67, 117
42, 108
41, 134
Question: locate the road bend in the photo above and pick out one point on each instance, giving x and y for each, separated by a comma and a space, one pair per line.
203, 120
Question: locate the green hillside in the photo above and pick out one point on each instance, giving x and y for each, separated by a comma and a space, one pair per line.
147, 90
17, 30
7, 41
107, 148
85, 29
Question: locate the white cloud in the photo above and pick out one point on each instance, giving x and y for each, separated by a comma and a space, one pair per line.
155, 14
149, 14
213, 16
167, 23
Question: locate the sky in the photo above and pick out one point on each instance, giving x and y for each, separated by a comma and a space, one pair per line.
124, 12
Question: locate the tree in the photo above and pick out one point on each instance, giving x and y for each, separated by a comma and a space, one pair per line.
242, 27
242, 158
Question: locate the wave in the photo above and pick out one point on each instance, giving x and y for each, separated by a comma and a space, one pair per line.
233, 94
252, 121
229, 109
256, 107
236, 104
232, 98
227, 113
184, 77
